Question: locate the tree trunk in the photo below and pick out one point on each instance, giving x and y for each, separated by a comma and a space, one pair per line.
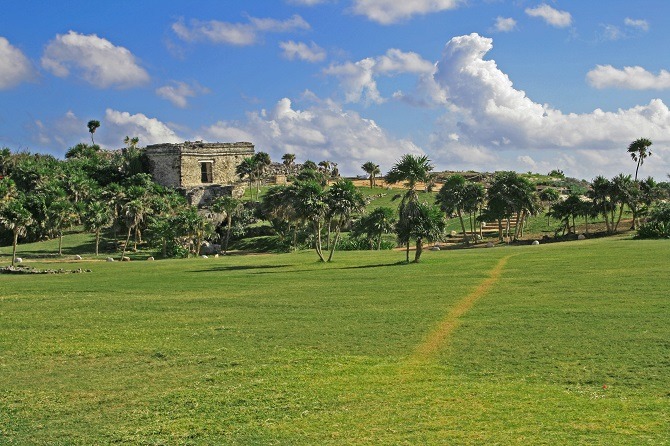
60, 243
501, 234
16, 241
317, 241
465, 234
619, 218
123, 253
97, 241
225, 244
337, 238
517, 228
419, 249
379, 242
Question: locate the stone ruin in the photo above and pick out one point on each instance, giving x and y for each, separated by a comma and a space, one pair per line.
201, 171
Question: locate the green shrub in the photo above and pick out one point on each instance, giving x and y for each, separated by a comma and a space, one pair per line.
658, 223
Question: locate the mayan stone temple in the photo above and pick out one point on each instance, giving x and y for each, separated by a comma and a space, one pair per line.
201, 170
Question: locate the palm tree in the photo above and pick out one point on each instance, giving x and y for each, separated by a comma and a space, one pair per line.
310, 206
452, 198
134, 212
230, 206
372, 170
343, 201
419, 221
92, 127
16, 218
548, 197
411, 169
263, 161
288, 159
374, 225
639, 150
603, 201
247, 169
60, 216
97, 216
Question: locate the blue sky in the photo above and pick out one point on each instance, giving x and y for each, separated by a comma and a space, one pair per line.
474, 84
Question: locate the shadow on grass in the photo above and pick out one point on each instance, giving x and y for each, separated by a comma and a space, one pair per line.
238, 268
377, 265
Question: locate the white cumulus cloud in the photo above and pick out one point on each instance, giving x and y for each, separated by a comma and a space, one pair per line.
504, 24
15, 67
358, 78
554, 17
179, 92
630, 78
324, 131
388, 12
240, 34
490, 116
149, 130
300, 50
94, 59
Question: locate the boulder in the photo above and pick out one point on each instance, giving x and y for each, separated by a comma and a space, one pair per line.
109, 259
18, 260
150, 258
581, 237
125, 259
490, 245
204, 256
535, 242
77, 257
435, 248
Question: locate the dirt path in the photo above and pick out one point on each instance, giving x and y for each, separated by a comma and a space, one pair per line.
439, 337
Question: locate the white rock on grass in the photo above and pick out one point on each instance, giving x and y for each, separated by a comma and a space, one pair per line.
151, 258
204, 257
435, 248
490, 245
109, 259
535, 242
581, 237
18, 260
77, 257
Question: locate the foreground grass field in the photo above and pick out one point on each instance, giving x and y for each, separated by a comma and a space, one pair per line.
554, 344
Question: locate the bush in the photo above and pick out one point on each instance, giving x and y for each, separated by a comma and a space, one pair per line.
658, 223
361, 244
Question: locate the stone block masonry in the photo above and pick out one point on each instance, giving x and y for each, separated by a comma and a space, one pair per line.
202, 170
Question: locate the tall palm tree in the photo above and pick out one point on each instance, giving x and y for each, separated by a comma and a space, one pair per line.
247, 169
16, 218
92, 127
230, 206
134, 212
639, 150
97, 216
411, 169
288, 159
452, 198
372, 170
310, 206
343, 201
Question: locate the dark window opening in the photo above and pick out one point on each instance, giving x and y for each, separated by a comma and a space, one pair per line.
206, 172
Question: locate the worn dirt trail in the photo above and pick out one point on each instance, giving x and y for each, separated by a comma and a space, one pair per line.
439, 337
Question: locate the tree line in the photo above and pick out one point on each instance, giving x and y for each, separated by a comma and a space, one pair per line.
42, 197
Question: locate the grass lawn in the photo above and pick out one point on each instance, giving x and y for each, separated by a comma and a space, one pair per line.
565, 343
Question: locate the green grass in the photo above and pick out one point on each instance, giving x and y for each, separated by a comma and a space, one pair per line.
279, 349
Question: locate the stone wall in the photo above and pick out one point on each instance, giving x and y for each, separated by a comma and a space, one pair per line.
178, 165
